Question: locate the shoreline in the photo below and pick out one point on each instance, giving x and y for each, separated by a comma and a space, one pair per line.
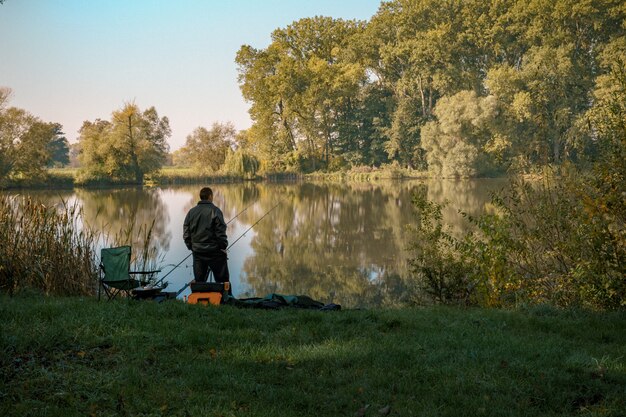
62, 181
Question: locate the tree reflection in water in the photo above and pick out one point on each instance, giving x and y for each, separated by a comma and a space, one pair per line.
129, 216
345, 243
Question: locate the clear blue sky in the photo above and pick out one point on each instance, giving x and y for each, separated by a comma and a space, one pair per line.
73, 60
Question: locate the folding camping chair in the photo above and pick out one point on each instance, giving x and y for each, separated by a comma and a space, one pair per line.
115, 274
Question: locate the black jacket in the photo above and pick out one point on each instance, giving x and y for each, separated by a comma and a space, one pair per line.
204, 229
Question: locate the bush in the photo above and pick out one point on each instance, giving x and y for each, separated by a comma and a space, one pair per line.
439, 266
543, 244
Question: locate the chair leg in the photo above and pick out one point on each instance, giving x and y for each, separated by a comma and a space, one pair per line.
111, 293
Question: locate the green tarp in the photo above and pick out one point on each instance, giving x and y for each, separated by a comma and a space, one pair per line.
275, 301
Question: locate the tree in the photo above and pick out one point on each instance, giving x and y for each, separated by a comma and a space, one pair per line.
327, 90
421, 53
240, 163
455, 142
206, 149
26, 142
543, 98
14, 123
131, 145
58, 148
303, 88
74, 152
5, 96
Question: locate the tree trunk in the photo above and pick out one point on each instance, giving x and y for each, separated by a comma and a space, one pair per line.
422, 95
286, 126
133, 154
430, 97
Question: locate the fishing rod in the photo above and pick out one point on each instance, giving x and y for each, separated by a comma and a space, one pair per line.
187, 257
231, 245
249, 228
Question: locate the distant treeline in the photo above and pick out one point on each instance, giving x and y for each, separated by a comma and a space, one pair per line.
461, 88
455, 88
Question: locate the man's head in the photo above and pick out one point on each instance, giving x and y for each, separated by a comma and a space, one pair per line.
206, 194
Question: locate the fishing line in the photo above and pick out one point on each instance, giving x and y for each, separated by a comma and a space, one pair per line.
231, 245
248, 229
187, 257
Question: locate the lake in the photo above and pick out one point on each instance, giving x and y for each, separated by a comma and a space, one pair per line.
341, 243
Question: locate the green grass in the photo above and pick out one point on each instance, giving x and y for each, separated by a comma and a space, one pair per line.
367, 174
75, 356
54, 177
186, 175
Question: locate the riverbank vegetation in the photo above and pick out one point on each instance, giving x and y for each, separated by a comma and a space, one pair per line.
52, 248
75, 356
455, 90
460, 89
45, 249
561, 241
28, 145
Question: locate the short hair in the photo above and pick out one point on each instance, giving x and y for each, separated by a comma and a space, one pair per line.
205, 193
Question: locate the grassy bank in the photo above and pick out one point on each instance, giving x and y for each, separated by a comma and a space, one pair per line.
183, 175
73, 356
68, 177
54, 178
366, 173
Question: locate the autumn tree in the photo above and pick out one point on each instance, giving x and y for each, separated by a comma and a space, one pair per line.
455, 143
303, 89
27, 144
125, 149
206, 149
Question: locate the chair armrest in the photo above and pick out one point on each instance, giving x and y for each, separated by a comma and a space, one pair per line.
144, 272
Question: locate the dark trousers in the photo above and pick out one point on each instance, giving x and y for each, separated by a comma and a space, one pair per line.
216, 263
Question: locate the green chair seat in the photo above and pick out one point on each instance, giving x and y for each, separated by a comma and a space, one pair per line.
115, 274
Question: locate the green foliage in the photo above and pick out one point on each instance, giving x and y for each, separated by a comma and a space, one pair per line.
438, 264
240, 163
561, 241
541, 101
206, 150
456, 142
367, 93
543, 244
131, 145
59, 149
304, 90
27, 144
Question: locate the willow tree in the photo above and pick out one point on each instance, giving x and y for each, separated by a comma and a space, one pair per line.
456, 142
126, 148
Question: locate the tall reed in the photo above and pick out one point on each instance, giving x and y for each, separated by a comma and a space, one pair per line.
145, 255
45, 248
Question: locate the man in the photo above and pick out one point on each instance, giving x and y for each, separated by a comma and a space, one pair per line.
204, 232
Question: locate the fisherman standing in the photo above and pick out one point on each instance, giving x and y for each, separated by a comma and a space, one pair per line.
204, 232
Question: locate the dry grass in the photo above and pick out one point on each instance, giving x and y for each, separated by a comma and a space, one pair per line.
45, 248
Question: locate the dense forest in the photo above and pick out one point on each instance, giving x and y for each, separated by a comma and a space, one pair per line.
460, 88
455, 88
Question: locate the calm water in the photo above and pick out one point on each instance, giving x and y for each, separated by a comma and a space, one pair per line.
342, 243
